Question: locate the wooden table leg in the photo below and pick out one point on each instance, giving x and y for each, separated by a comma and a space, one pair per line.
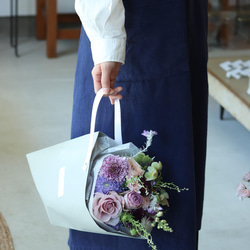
51, 34
40, 20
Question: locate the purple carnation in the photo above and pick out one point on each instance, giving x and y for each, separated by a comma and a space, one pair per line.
104, 186
114, 168
147, 133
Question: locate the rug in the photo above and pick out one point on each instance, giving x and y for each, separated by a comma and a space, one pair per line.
6, 242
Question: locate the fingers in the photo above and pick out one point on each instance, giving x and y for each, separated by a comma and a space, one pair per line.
113, 98
116, 95
105, 81
97, 76
104, 76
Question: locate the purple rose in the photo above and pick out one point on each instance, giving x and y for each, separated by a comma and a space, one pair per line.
133, 200
108, 207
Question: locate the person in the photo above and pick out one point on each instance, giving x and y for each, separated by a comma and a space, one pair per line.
155, 51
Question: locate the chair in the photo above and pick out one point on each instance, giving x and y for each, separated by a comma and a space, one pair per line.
229, 17
243, 16
218, 20
47, 25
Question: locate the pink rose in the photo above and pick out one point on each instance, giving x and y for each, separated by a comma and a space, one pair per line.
146, 203
108, 207
133, 200
246, 193
247, 177
134, 186
240, 188
134, 169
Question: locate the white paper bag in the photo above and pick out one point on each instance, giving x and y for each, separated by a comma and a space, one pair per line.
64, 186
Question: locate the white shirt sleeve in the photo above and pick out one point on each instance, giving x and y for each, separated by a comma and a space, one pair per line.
103, 21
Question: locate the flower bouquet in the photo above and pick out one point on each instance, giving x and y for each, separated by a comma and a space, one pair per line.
129, 194
242, 190
97, 184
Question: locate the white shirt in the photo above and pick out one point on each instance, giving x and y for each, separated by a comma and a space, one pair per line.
103, 21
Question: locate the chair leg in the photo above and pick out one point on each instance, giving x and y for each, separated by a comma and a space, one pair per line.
51, 33
11, 24
14, 26
40, 20
16, 30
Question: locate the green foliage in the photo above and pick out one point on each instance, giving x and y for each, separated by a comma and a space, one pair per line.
138, 228
143, 160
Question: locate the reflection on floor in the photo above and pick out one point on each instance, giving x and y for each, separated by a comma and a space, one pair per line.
35, 112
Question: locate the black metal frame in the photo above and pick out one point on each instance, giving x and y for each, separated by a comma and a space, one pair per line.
222, 110
14, 26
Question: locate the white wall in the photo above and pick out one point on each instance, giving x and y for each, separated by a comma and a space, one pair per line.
28, 7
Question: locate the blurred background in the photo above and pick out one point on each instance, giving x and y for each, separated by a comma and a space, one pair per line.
229, 24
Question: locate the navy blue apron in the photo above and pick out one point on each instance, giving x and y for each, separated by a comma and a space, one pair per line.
164, 82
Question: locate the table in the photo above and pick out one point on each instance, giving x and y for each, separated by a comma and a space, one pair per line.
229, 93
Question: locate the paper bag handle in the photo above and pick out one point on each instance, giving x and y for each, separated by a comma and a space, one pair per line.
117, 125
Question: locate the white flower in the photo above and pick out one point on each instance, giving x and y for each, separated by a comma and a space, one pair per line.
145, 221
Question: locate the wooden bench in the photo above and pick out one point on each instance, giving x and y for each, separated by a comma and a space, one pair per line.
47, 25
230, 93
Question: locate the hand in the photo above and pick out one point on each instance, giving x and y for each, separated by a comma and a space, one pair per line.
104, 75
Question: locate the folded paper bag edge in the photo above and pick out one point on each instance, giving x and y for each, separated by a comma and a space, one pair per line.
37, 163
